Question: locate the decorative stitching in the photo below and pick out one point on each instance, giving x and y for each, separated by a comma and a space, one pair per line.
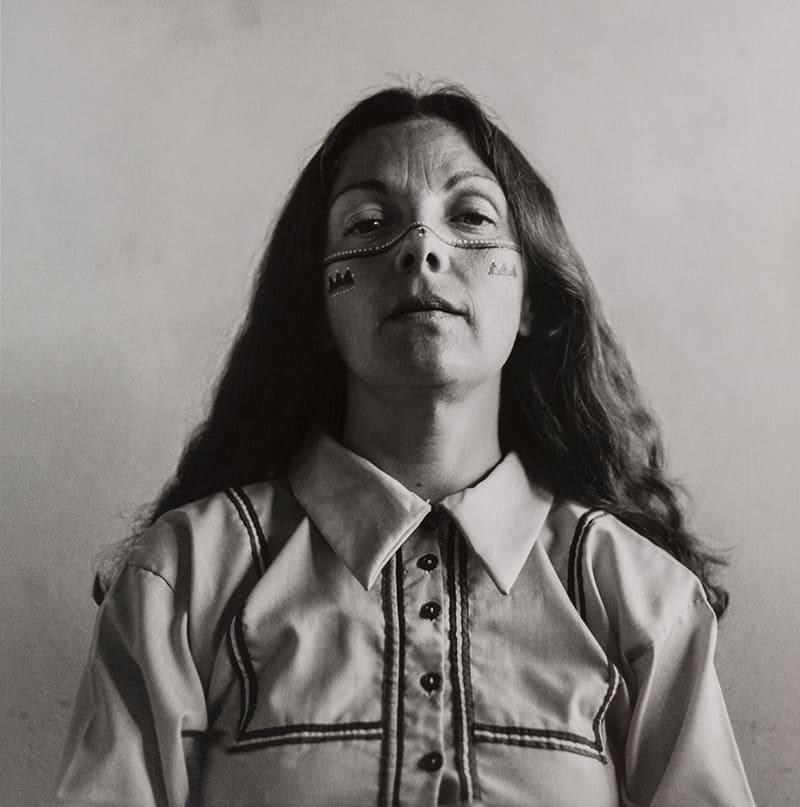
548, 738
240, 675
244, 508
249, 740
469, 708
597, 723
393, 681
304, 733
256, 522
459, 666
552, 739
387, 709
455, 666
533, 738
488, 729
575, 571
576, 593
243, 664
463, 243
401, 670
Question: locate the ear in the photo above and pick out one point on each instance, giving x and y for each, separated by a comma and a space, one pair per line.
526, 315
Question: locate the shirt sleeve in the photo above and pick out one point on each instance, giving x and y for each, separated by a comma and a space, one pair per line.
140, 702
680, 747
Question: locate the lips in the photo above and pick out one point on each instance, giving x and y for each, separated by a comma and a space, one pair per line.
418, 304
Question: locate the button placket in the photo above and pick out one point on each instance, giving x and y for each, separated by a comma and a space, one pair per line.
426, 654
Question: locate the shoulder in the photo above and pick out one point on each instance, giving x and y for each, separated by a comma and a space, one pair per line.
229, 531
620, 581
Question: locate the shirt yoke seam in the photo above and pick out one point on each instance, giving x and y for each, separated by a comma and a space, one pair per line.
249, 523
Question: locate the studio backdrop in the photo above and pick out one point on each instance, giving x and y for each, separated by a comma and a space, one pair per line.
146, 149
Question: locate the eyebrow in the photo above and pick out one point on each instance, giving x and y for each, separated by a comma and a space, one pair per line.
461, 176
363, 184
381, 187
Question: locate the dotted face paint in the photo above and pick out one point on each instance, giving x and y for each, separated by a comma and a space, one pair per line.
420, 228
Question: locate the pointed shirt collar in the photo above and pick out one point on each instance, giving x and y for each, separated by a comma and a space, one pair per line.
366, 515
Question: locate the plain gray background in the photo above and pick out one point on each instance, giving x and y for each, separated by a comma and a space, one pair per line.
146, 147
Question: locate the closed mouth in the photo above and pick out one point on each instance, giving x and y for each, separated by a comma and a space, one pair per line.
423, 304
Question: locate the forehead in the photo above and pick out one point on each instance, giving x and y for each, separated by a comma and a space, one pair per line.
427, 150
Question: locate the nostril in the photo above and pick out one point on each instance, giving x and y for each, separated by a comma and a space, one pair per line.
419, 256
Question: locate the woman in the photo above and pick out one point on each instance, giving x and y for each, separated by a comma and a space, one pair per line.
423, 549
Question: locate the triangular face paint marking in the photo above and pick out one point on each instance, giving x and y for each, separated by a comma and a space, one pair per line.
341, 282
504, 270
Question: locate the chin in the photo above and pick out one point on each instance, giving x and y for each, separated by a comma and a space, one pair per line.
434, 372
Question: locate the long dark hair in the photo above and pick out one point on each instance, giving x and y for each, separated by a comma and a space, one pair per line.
570, 406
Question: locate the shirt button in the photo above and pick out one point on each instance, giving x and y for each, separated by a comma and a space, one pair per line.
431, 522
430, 610
428, 562
431, 762
430, 682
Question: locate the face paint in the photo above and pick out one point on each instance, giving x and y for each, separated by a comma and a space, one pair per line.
418, 218
506, 269
386, 244
339, 282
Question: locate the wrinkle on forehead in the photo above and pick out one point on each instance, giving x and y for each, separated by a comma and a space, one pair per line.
423, 151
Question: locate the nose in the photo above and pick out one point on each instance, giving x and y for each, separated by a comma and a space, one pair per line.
420, 249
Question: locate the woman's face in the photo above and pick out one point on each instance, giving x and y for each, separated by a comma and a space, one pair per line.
423, 280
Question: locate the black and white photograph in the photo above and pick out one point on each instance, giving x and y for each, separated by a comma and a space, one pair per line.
400, 403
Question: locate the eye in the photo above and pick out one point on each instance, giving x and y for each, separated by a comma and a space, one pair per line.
364, 226
474, 218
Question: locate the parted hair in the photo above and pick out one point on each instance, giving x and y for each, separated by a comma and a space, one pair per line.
570, 405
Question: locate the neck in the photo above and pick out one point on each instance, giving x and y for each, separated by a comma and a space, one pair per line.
433, 442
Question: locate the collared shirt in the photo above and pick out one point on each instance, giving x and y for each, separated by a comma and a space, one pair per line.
332, 639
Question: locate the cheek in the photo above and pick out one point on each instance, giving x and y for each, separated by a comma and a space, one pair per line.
500, 294
343, 297
498, 267
501, 277
504, 267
